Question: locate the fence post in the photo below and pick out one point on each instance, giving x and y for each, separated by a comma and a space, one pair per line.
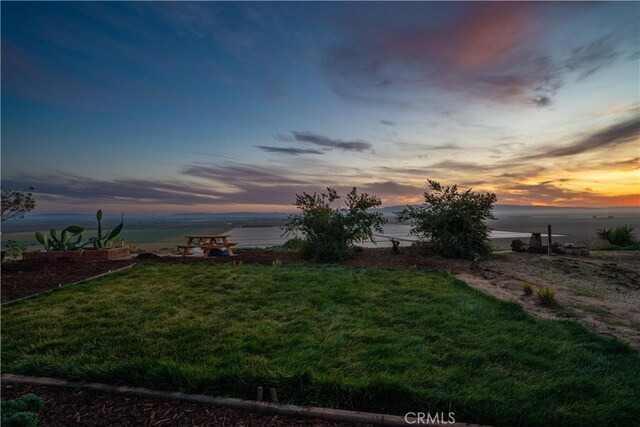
549, 251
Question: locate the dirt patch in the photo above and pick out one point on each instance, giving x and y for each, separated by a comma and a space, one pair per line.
66, 407
601, 291
22, 278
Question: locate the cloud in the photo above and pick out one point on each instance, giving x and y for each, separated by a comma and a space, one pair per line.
479, 50
289, 150
86, 190
617, 134
238, 174
356, 145
386, 122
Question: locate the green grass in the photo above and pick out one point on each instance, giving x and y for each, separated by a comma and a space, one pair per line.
378, 340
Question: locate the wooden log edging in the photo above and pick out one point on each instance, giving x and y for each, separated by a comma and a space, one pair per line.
117, 270
230, 402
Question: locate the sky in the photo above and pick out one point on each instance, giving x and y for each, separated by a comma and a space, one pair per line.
226, 107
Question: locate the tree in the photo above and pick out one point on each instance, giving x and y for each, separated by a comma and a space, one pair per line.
330, 234
16, 203
454, 222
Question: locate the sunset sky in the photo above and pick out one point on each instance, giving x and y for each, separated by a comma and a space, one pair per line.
218, 107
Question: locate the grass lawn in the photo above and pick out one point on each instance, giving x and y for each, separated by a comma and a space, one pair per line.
379, 340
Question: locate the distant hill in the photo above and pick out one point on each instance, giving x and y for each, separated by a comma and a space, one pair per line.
519, 210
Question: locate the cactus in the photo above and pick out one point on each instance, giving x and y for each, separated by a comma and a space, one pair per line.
70, 238
104, 241
65, 242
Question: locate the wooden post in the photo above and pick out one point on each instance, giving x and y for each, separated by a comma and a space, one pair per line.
259, 397
274, 395
549, 251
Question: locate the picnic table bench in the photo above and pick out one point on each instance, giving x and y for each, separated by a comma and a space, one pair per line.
207, 244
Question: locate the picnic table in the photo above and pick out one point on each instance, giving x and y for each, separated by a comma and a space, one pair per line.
207, 244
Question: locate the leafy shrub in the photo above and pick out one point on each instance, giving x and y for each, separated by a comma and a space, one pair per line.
618, 236
21, 412
330, 234
294, 244
453, 221
546, 296
527, 288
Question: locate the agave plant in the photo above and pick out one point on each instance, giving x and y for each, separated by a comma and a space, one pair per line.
103, 241
69, 239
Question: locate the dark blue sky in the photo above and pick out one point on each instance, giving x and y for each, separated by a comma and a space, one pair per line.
237, 106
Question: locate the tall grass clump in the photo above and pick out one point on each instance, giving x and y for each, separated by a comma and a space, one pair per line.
621, 237
547, 296
527, 288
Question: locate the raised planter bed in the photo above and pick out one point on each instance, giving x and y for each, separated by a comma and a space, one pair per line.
85, 255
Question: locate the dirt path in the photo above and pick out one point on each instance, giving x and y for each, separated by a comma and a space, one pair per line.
601, 291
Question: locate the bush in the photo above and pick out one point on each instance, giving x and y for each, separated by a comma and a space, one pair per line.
546, 296
618, 236
330, 234
22, 412
453, 221
527, 288
294, 244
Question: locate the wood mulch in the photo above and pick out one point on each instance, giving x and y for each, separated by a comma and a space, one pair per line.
22, 278
77, 407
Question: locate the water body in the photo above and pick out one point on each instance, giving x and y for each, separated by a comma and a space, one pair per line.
263, 237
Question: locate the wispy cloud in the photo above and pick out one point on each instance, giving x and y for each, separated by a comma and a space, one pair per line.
239, 173
617, 134
357, 145
289, 150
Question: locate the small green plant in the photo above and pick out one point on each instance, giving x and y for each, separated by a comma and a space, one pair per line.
618, 236
546, 296
68, 240
106, 240
276, 262
527, 288
21, 412
14, 250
